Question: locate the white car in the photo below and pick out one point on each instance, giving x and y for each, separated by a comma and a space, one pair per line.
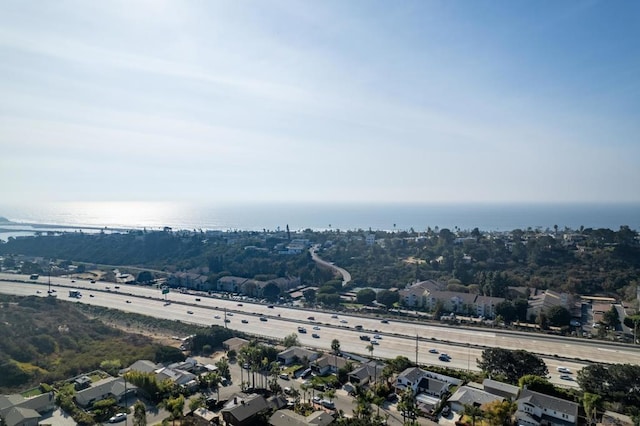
377, 336
118, 418
564, 370
375, 342
217, 317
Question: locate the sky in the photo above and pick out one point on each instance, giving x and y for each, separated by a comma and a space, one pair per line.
320, 101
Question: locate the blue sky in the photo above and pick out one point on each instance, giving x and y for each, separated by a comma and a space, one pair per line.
422, 101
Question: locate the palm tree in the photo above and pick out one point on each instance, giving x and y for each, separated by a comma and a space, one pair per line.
335, 347
407, 405
370, 349
474, 412
139, 414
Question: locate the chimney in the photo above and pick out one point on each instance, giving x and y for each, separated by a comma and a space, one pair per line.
242, 401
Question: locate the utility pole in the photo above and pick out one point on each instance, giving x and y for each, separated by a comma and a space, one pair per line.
416, 349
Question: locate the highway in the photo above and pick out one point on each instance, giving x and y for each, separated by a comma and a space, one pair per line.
464, 345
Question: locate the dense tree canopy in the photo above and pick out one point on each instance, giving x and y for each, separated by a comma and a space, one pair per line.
511, 365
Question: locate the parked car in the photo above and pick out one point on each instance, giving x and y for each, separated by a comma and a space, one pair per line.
328, 404
284, 376
118, 418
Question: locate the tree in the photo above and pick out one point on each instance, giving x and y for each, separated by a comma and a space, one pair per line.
387, 298
474, 412
271, 291
309, 295
366, 296
507, 311
511, 364
291, 340
145, 277
499, 412
536, 384
611, 318
139, 414
591, 403
407, 405
558, 316
335, 346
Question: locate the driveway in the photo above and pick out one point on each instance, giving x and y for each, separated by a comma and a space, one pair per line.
57, 418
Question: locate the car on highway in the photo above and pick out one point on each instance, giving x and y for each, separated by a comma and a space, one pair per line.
227, 320
375, 342
566, 377
316, 328
444, 357
384, 321
358, 327
433, 351
311, 318
377, 336
302, 330
93, 282
564, 370
118, 418
270, 306
244, 321
190, 312
365, 337
38, 292
229, 314
128, 301
240, 304
315, 335
116, 287
73, 281
91, 295
197, 299
343, 321
263, 319
334, 316
217, 317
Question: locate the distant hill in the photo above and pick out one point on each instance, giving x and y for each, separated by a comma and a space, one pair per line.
4, 220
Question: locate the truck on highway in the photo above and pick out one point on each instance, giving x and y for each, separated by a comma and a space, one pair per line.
75, 293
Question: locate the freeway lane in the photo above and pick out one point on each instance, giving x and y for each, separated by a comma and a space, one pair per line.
398, 336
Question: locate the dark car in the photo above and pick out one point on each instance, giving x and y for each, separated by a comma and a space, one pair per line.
315, 335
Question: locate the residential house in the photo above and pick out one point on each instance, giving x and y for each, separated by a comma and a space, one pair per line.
452, 301
504, 390
413, 296
235, 344
328, 364
81, 382
368, 372
543, 301
485, 306
536, 409
290, 418
611, 418
423, 381
143, 366
231, 284
191, 280
296, 353
466, 395
17, 410
179, 377
113, 387
242, 409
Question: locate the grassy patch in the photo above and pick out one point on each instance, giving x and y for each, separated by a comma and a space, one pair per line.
32, 392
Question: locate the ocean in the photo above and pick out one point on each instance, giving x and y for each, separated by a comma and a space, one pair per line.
259, 216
